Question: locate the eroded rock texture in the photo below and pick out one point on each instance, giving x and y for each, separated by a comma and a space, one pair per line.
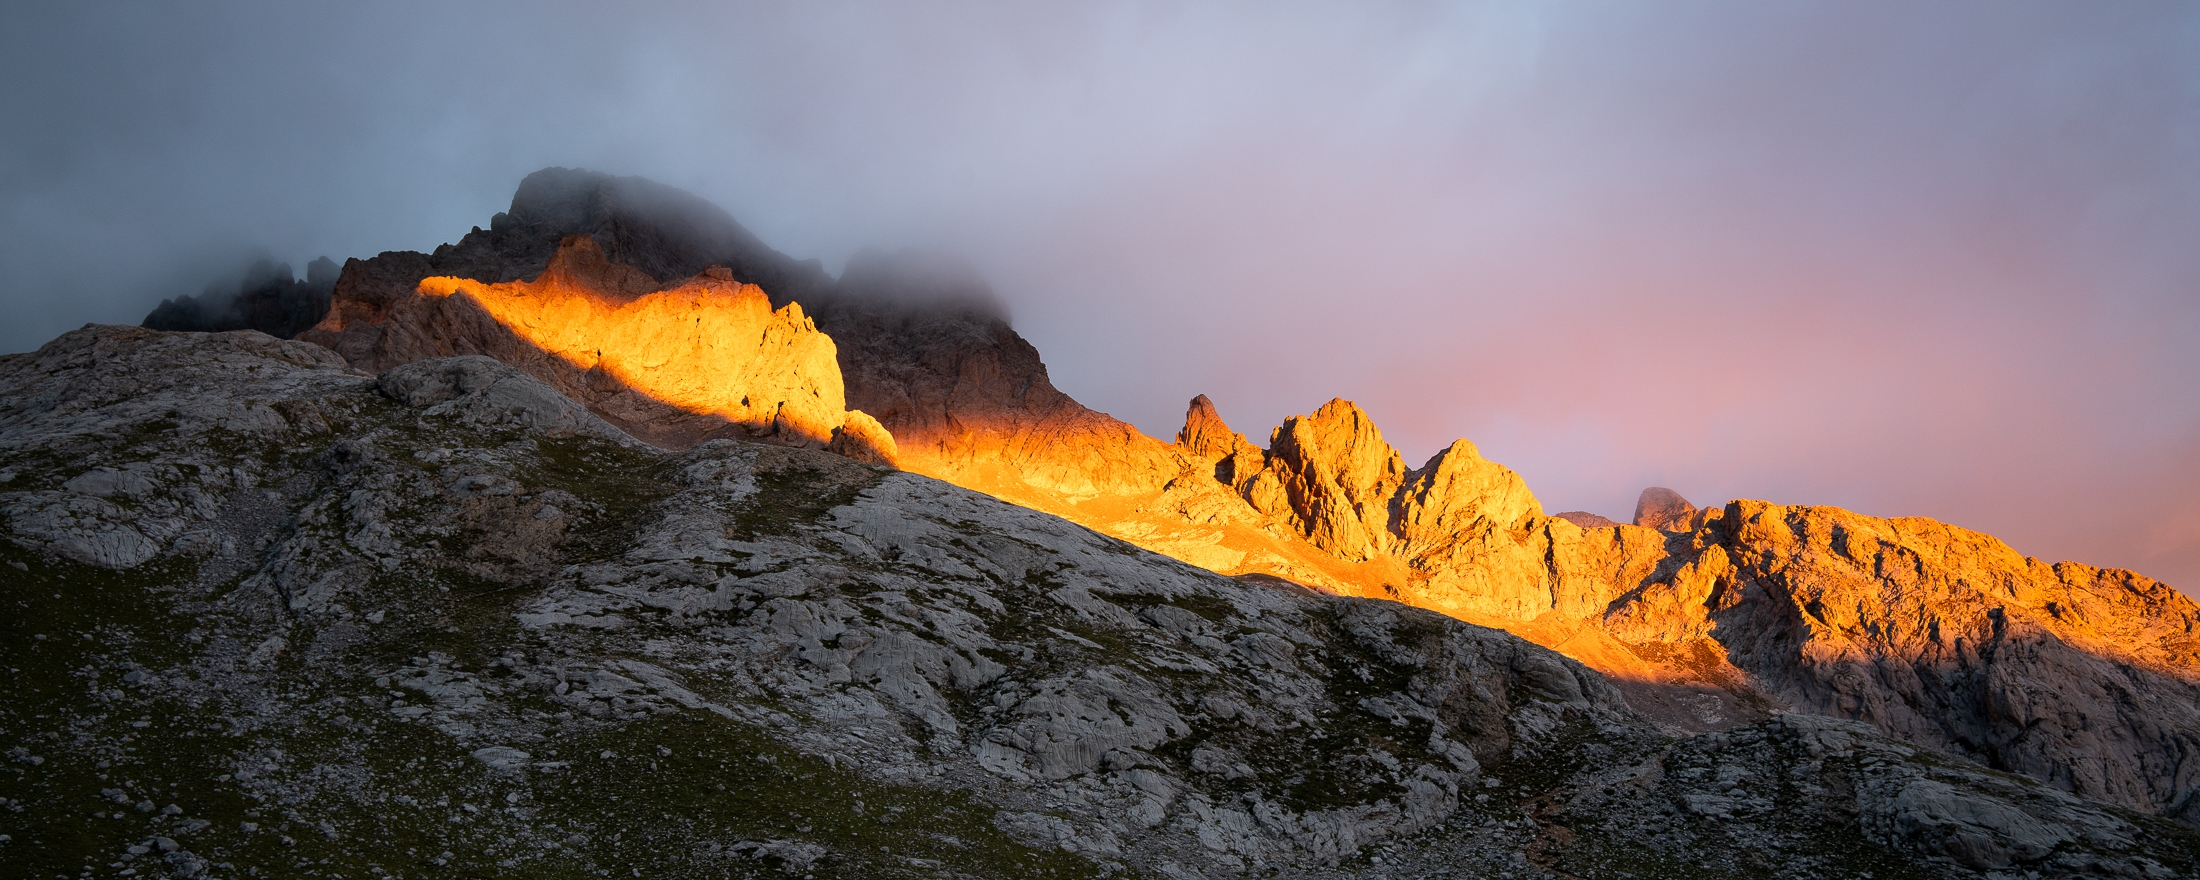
2080, 676
445, 620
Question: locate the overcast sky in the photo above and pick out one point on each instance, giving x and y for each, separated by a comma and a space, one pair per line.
1910, 259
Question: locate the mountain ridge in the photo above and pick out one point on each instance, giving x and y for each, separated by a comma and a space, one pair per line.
1696, 612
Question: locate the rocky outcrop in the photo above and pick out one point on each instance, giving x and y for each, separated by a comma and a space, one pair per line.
269, 299
674, 364
2084, 677
1331, 476
1207, 437
862, 438
442, 620
1663, 509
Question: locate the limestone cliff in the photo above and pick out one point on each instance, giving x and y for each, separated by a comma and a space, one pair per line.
1332, 477
920, 348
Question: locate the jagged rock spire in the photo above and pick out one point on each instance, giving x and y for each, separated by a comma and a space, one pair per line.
1206, 435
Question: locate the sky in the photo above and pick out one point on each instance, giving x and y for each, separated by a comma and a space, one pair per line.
1909, 259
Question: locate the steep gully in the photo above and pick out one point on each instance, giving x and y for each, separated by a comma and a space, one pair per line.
666, 317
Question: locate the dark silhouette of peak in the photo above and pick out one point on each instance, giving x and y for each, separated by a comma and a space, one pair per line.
267, 298
321, 274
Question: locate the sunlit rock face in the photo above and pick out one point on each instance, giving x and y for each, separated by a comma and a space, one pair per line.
1331, 475
649, 230
924, 349
710, 346
1206, 436
706, 357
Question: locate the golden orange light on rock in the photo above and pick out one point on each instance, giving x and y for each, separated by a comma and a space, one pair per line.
711, 346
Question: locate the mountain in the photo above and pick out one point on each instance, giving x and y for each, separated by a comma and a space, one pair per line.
2081, 677
270, 615
615, 428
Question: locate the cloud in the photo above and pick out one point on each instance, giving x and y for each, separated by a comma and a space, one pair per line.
1907, 259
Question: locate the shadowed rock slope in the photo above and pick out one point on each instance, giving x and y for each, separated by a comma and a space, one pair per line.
271, 617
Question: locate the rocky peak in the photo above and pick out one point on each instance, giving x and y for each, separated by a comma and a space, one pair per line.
707, 357
268, 299
1457, 487
321, 274
920, 342
1207, 437
1332, 474
662, 232
2080, 676
1205, 434
1663, 509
